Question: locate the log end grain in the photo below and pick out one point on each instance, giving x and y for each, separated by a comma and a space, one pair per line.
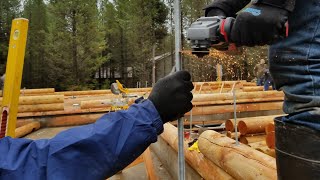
230, 125
270, 140
243, 129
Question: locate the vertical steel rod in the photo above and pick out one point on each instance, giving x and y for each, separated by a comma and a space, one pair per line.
235, 115
177, 22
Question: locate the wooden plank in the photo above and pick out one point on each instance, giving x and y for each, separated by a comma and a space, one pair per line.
240, 161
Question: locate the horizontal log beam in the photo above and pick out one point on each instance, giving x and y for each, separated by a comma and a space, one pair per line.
101, 92
40, 107
254, 88
239, 101
241, 95
218, 109
252, 138
34, 100
254, 125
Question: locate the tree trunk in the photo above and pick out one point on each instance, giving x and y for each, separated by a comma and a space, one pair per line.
74, 47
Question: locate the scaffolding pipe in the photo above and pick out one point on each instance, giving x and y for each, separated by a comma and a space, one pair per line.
177, 22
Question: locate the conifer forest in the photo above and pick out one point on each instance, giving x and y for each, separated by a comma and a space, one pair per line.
88, 44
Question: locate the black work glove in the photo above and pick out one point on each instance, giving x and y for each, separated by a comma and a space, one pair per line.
259, 25
172, 96
214, 12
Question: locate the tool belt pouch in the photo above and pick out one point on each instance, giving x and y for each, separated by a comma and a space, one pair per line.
297, 151
283, 4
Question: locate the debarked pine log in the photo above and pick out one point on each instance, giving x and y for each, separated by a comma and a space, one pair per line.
240, 95
207, 169
220, 109
254, 125
240, 161
44, 99
40, 107
27, 129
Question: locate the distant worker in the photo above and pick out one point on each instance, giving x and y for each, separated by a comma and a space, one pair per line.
294, 63
258, 71
268, 80
99, 150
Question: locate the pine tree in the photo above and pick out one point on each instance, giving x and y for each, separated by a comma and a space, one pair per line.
37, 67
77, 42
9, 9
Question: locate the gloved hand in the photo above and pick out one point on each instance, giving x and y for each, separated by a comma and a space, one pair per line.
259, 24
172, 96
214, 12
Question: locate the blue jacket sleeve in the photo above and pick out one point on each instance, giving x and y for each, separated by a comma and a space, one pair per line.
93, 151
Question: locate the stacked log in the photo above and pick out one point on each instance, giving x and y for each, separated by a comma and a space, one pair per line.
253, 130
101, 92
229, 96
254, 88
105, 103
27, 129
206, 168
36, 92
252, 138
270, 132
240, 161
246, 107
96, 104
40, 103
262, 147
254, 125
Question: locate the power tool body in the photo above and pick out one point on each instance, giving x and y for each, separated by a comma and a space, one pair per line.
210, 32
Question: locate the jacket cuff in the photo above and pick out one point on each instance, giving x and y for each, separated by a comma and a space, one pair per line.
283, 4
154, 115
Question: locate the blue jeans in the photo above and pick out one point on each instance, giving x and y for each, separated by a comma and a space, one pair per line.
267, 83
295, 65
260, 81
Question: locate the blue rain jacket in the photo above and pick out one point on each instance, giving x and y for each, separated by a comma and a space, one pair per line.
94, 151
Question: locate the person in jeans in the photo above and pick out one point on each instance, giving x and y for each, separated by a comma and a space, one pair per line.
259, 72
294, 63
